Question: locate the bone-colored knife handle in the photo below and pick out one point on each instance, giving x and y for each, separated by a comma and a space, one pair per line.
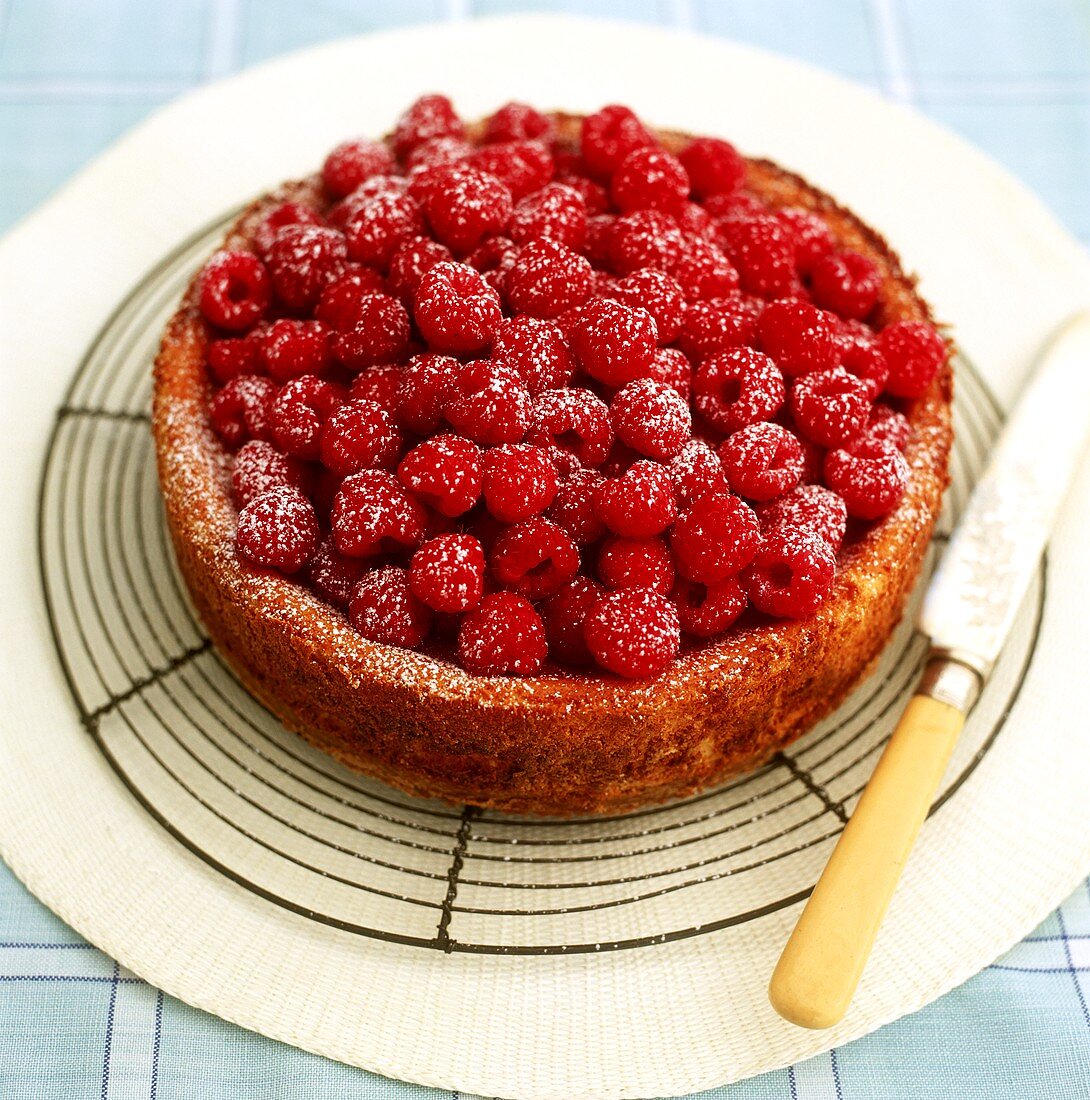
821, 965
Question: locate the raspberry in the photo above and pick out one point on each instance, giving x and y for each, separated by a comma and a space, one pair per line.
370, 189
639, 503
737, 388
233, 291
762, 250
351, 163
847, 283
502, 634
380, 333
537, 350
672, 368
455, 309
376, 229
240, 411
381, 384
736, 204
228, 358
573, 507
609, 135
718, 325
694, 221
830, 407
861, 354
633, 633
438, 152
383, 609
278, 530
259, 467
445, 473
636, 563
800, 337
517, 122
658, 293
303, 261
556, 211
548, 278
646, 238
708, 610
870, 475
714, 166
599, 241
426, 385
333, 576
703, 271
287, 213
289, 349
489, 403
495, 254
567, 465
411, 262
809, 508
716, 537
914, 352
299, 413
373, 514
564, 615
614, 343
649, 179
339, 304
524, 166
651, 418
519, 481
535, 557
431, 116
791, 574
887, 425
811, 235
447, 573
595, 196
697, 471
359, 435
464, 205
493, 260
761, 461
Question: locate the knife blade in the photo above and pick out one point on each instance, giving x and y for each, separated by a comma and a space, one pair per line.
968, 611
975, 592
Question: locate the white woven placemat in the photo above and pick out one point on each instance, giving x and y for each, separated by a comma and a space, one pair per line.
662, 1019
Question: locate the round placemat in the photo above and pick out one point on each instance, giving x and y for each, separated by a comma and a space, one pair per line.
169, 818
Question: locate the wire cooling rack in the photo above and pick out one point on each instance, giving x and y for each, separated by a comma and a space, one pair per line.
288, 823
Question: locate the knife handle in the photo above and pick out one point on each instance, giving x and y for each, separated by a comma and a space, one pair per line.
820, 967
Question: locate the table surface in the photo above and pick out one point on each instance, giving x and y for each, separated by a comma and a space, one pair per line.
1012, 76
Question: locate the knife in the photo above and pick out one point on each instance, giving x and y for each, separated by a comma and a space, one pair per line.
968, 611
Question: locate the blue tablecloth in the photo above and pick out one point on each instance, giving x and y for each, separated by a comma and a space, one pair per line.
1013, 76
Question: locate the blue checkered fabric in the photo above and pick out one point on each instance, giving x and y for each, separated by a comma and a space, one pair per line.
1013, 76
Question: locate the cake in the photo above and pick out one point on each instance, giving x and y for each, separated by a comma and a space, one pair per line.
550, 464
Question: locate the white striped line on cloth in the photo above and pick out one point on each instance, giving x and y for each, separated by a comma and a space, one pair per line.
898, 80
32, 90
815, 1079
221, 57
133, 1053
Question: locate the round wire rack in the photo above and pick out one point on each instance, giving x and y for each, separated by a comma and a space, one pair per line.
291, 825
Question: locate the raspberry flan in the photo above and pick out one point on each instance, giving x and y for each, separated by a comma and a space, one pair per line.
551, 464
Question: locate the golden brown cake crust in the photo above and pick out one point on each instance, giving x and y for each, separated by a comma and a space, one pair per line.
558, 743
